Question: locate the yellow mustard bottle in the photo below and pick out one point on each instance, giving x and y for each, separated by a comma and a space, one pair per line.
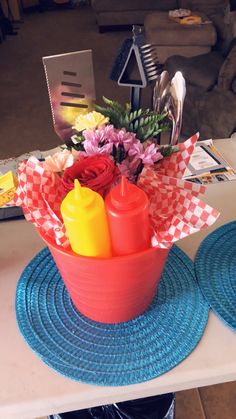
83, 212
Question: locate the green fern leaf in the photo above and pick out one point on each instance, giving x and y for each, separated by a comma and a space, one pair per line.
107, 101
114, 105
141, 122
136, 125
131, 126
139, 113
140, 134
147, 120
126, 119
144, 122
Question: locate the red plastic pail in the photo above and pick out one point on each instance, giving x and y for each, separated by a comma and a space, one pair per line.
110, 290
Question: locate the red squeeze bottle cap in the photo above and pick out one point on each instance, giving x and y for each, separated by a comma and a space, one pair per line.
126, 196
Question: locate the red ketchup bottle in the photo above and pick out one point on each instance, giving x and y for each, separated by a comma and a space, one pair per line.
128, 218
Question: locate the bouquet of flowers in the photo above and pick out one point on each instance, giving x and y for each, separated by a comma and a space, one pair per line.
114, 141
109, 142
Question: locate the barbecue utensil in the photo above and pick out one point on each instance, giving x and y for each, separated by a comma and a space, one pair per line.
71, 87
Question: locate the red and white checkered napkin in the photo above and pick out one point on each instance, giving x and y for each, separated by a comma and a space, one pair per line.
40, 194
175, 209
176, 164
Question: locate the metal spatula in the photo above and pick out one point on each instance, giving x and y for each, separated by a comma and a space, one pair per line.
71, 87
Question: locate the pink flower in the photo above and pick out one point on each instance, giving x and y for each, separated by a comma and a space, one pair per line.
129, 168
58, 161
121, 136
136, 150
149, 155
97, 140
102, 140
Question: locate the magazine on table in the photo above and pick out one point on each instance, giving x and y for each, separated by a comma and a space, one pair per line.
207, 165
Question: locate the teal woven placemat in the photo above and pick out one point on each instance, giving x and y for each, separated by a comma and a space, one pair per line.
117, 354
215, 267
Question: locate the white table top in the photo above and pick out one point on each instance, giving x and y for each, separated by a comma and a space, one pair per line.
29, 388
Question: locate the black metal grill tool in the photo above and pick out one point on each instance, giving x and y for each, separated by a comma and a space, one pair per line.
135, 66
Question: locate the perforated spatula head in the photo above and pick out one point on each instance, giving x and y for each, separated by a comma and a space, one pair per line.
71, 88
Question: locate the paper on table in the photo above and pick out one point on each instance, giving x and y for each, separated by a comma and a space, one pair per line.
175, 209
40, 193
201, 160
207, 165
12, 163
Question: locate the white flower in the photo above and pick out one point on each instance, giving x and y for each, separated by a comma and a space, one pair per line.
59, 161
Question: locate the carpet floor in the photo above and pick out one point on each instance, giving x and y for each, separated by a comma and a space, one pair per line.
26, 122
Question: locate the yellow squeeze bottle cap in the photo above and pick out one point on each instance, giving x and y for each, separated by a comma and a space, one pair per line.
77, 190
83, 196
79, 198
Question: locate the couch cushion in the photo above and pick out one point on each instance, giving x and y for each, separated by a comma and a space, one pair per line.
202, 5
207, 5
212, 114
233, 86
201, 71
123, 5
161, 30
217, 117
129, 17
227, 72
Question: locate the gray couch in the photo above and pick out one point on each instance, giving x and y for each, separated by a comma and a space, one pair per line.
171, 38
127, 12
110, 13
210, 104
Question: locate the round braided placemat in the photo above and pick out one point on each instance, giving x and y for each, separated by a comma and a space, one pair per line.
117, 354
215, 267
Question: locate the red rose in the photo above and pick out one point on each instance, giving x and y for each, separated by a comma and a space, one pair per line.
97, 172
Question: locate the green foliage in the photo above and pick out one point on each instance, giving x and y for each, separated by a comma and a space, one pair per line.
144, 123
166, 151
77, 142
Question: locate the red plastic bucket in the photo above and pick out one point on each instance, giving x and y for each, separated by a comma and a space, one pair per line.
110, 290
